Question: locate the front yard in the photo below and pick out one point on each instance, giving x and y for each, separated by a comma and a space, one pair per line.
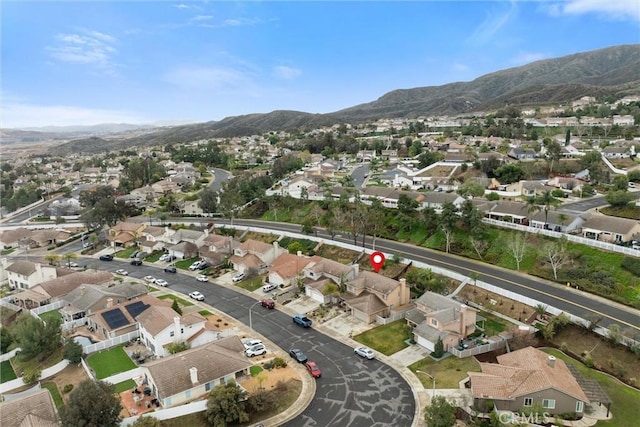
6, 372
447, 372
109, 362
387, 339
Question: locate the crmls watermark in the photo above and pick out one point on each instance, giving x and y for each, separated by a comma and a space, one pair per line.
520, 418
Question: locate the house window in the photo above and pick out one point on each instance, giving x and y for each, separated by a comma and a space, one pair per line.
171, 333
579, 406
182, 330
434, 322
207, 387
528, 401
548, 403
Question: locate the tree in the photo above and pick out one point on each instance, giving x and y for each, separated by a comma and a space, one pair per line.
447, 220
5, 340
543, 201
68, 257
438, 349
52, 258
208, 200
35, 338
146, 421
406, 204
555, 254
72, 351
471, 188
620, 182
518, 245
176, 307
553, 153
440, 413
91, 404
226, 404
619, 198
177, 347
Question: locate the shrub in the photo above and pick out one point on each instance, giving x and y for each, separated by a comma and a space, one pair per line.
279, 362
31, 376
632, 265
67, 388
588, 362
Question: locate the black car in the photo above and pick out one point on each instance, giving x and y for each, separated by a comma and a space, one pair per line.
136, 262
106, 257
203, 265
298, 355
170, 269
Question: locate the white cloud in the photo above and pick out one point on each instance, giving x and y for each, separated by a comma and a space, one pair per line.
523, 58
286, 73
612, 9
182, 6
208, 78
85, 47
493, 22
22, 115
202, 18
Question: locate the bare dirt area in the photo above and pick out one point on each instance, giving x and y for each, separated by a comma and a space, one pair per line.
514, 309
336, 253
72, 374
261, 237
268, 380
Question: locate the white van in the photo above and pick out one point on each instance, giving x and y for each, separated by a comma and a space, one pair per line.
269, 287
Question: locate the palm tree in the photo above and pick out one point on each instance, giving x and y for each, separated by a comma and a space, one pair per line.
68, 257
52, 258
543, 201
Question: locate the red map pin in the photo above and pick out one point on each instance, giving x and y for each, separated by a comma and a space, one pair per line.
377, 260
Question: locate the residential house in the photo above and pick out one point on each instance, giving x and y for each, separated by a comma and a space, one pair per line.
514, 212
165, 187
618, 151
287, 268
11, 238
32, 408
436, 200
253, 255
27, 274
562, 222
521, 154
152, 239
322, 278
172, 236
524, 378
624, 120
53, 290
126, 234
611, 229
372, 295
437, 316
161, 326
121, 318
215, 248
86, 299
193, 373
183, 250
192, 207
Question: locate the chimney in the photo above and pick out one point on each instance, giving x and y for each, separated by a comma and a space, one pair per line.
299, 253
109, 302
176, 327
403, 291
551, 361
193, 373
463, 327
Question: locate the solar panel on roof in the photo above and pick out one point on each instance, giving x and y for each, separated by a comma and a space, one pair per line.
136, 308
115, 318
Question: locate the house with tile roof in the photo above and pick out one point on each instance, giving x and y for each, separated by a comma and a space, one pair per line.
160, 326
287, 268
86, 299
322, 278
372, 295
611, 229
524, 378
11, 238
26, 274
253, 255
191, 374
29, 409
125, 234
437, 316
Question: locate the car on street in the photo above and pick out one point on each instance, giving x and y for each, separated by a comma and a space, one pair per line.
313, 369
106, 257
268, 303
122, 272
302, 320
72, 264
162, 283
269, 287
298, 355
202, 278
149, 279
238, 278
137, 262
256, 350
86, 245
170, 269
250, 342
365, 352
196, 296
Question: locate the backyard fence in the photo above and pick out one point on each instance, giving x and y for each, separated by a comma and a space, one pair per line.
484, 348
178, 411
46, 373
112, 342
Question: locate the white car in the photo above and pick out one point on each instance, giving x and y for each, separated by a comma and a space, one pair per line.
250, 342
72, 264
269, 287
256, 350
365, 352
122, 272
202, 278
161, 282
238, 278
196, 295
149, 279
195, 265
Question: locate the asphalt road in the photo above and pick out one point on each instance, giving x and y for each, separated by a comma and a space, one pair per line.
571, 301
590, 203
352, 391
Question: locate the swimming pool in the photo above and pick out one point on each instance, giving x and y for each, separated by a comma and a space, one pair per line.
83, 341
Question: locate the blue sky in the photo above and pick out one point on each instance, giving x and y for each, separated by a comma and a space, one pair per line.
79, 63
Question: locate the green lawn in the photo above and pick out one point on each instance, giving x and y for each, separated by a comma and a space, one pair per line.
176, 298
124, 386
155, 256
50, 315
387, 339
55, 393
255, 370
126, 253
110, 362
6, 372
252, 284
493, 325
625, 408
184, 264
205, 313
447, 372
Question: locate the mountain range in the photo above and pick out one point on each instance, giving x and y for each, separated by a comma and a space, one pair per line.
612, 71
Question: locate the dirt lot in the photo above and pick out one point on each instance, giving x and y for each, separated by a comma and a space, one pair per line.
269, 379
506, 306
72, 374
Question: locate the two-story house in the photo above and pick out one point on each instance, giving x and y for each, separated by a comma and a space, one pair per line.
287, 268
125, 234
215, 248
437, 316
319, 276
27, 274
370, 295
253, 255
121, 318
86, 299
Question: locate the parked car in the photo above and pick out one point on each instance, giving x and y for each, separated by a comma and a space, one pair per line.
365, 352
149, 279
87, 245
268, 303
106, 257
302, 320
195, 265
162, 283
196, 295
269, 287
203, 265
313, 369
167, 258
256, 350
250, 342
122, 272
238, 278
72, 264
298, 355
136, 262
170, 269
134, 255
202, 278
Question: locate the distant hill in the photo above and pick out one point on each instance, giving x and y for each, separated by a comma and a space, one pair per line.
603, 72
